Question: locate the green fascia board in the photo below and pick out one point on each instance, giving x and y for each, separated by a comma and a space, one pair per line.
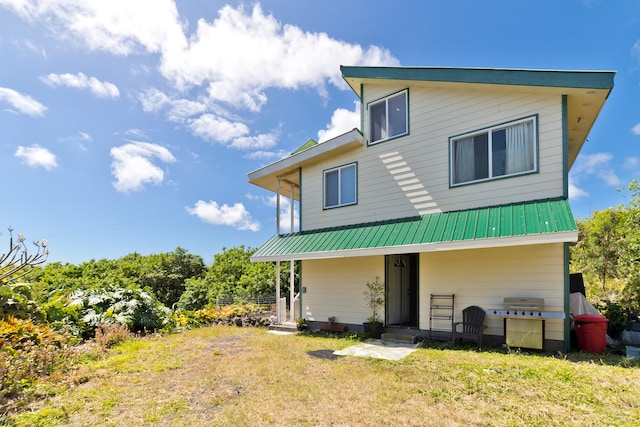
498, 76
543, 217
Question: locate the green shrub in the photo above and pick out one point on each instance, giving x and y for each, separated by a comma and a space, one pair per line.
28, 352
110, 334
137, 309
206, 316
16, 300
616, 314
195, 295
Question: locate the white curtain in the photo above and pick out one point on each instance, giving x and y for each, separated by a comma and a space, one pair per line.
519, 148
464, 161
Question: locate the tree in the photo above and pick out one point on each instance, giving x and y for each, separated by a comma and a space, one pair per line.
165, 274
14, 263
608, 251
600, 245
16, 298
630, 262
232, 274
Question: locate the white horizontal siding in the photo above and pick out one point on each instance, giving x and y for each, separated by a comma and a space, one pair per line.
335, 287
484, 277
435, 116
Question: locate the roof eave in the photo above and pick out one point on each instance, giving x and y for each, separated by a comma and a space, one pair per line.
530, 239
355, 75
266, 176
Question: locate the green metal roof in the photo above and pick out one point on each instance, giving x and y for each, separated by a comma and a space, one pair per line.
535, 222
310, 143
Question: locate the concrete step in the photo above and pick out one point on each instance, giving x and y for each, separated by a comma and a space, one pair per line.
399, 338
284, 327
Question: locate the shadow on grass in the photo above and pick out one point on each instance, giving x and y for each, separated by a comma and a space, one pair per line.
324, 354
613, 356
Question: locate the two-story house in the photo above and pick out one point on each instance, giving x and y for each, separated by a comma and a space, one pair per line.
456, 184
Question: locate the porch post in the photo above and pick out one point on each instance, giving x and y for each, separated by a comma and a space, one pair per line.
292, 293
291, 230
278, 206
292, 276
278, 319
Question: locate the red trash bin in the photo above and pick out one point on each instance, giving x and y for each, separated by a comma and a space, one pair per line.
591, 332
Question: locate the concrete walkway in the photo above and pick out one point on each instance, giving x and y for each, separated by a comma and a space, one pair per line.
378, 349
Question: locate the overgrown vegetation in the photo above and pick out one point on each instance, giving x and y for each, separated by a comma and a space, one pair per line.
107, 302
608, 256
232, 376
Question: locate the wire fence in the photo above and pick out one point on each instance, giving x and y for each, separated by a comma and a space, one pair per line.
259, 300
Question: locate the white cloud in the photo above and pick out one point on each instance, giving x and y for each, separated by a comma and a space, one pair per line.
342, 121
133, 165
258, 142
282, 56
22, 103
576, 193
120, 27
636, 129
266, 155
80, 81
135, 133
635, 50
218, 75
598, 165
183, 108
29, 46
78, 140
37, 156
153, 100
631, 162
285, 213
235, 216
218, 129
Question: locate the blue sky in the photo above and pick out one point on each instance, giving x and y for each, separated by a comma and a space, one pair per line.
130, 126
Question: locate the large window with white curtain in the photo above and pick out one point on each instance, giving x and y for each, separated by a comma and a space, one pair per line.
340, 186
494, 152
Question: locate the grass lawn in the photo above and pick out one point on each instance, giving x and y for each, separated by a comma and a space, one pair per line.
219, 376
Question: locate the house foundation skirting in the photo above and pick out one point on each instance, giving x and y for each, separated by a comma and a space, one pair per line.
550, 346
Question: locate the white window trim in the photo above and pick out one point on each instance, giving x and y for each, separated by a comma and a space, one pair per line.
324, 186
489, 130
386, 101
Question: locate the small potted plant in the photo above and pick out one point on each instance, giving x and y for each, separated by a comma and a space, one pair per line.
301, 324
374, 297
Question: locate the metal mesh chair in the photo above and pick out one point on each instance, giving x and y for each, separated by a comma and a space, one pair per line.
472, 327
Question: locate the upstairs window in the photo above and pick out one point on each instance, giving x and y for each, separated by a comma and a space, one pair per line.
340, 186
498, 151
388, 117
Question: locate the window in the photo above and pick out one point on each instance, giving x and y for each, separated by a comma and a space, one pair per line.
388, 117
495, 152
340, 186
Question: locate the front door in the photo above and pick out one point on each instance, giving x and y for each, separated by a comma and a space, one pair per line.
402, 290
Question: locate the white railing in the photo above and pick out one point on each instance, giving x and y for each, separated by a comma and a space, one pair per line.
282, 310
